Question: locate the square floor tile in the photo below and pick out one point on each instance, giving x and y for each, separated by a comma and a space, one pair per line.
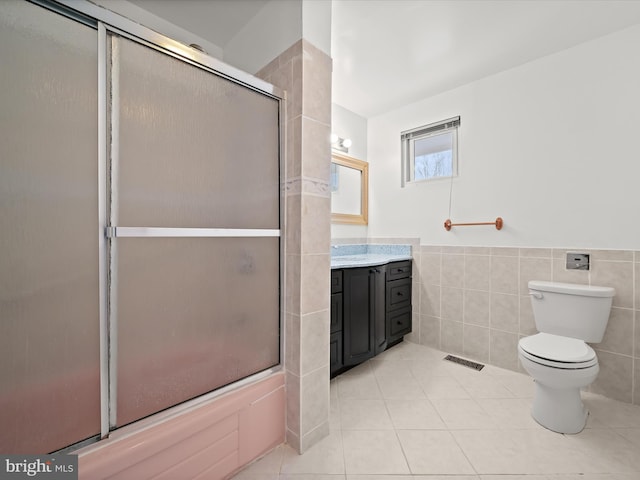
326, 456
592, 476
358, 386
433, 452
514, 477
373, 452
485, 386
463, 414
399, 387
631, 434
611, 412
509, 412
464, 373
432, 368
414, 477
521, 386
334, 414
364, 414
414, 414
442, 387
397, 367
528, 451
311, 476
605, 451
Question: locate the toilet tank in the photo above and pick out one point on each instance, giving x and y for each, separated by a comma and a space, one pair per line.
571, 310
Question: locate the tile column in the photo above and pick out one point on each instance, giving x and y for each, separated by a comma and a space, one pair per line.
304, 71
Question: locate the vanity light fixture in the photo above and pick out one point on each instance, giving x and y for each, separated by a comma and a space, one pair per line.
341, 144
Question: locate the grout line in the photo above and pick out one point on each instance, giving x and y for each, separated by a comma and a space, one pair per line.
344, 459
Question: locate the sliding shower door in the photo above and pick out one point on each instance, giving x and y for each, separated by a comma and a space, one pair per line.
49, 231
195, 230
139, 225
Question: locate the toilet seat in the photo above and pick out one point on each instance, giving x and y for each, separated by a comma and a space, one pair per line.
557, 352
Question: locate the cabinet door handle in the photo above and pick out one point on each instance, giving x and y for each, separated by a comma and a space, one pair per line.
400, 270
400, 294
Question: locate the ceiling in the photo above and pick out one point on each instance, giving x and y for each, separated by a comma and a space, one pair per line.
388, 53
215, 20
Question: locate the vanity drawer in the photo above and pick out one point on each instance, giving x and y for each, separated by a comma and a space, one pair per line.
399, 322
398, 294
398, 270
336, 281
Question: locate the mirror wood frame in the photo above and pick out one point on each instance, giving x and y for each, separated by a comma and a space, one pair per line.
363, 168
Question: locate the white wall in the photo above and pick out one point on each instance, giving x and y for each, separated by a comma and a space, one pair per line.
347, 124
316, 23
551, 146
275, 28
160, 25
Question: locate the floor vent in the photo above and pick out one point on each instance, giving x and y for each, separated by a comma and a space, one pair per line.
466, 363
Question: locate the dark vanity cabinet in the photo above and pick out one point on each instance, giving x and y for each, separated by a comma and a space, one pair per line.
364, 334
370, 311
398, 301
335, 339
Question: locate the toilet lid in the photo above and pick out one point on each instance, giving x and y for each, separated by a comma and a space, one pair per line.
557, 348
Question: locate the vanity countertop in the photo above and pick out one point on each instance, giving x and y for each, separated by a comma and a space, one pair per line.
366, 255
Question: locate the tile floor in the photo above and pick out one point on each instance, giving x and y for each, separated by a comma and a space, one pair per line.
409, 414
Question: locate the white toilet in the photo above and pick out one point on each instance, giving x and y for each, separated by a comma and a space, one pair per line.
566, 315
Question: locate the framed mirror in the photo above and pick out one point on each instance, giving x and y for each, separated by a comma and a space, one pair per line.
349, 185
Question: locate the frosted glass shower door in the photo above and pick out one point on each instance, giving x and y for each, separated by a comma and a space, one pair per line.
195, 237
49, 274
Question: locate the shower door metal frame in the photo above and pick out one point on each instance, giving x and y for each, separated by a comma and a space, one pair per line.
113, 231
103, 261
109, 22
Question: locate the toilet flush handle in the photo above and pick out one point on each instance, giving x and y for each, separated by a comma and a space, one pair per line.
537, 295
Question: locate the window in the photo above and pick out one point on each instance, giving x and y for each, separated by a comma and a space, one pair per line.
430, 152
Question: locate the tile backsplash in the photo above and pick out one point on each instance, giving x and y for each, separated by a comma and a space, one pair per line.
473, 301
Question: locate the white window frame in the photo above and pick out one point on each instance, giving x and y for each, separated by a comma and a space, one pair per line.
408, 139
